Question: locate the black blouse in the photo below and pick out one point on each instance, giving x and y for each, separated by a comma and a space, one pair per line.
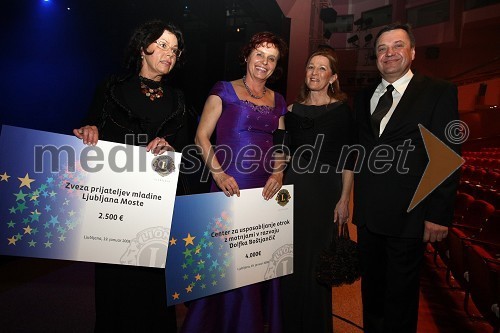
123, 114
332, 123
120, 108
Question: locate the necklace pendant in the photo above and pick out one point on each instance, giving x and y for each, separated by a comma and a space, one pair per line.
152, 93
250, 92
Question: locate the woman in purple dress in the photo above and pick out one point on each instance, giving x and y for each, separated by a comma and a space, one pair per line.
246, 115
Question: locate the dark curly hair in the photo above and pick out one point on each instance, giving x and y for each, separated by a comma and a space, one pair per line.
270, 38
142, 37
332, 60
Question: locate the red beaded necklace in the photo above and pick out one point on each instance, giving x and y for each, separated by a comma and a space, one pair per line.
152, 93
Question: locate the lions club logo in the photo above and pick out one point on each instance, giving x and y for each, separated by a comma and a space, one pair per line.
148, 248
281, 262
163, 165
283, 197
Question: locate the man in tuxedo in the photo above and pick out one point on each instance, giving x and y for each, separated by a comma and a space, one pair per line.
392, 240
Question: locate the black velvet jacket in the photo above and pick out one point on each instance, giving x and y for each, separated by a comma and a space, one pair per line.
119, 120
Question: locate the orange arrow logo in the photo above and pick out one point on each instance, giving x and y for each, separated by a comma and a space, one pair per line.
443, 161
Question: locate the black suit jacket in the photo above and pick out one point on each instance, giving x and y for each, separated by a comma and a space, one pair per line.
381, 199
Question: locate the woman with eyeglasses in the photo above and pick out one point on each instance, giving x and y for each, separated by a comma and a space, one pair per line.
245, 115
139, 108
321, 119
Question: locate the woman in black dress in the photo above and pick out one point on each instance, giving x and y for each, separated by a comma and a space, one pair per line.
322, 120
139, 108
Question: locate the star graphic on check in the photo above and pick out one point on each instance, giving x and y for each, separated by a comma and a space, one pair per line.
189, 239
187, 253
20, 196
26, 181
27, 230
21, 207
4, 177
35, 215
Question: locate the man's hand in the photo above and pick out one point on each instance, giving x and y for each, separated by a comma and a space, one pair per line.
434, 232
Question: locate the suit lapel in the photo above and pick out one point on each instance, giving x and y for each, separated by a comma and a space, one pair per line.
411, 93
366, 108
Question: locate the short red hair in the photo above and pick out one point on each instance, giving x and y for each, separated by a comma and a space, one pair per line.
267, 37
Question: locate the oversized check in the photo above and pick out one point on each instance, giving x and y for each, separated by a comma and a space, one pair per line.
219, 243
60, 199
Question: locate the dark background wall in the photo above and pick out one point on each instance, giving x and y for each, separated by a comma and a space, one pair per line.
55, 52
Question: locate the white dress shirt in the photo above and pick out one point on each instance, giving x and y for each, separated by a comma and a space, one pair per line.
400, 86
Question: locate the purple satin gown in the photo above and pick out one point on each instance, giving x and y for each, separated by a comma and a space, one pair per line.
244, 137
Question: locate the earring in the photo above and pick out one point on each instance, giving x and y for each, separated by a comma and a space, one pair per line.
331, 88
142, 57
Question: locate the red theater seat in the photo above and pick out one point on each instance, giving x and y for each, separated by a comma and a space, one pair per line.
462, 203
470, 227
484, 284
490, 180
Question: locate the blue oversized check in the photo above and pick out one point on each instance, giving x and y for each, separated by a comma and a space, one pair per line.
60, 199
219, 243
